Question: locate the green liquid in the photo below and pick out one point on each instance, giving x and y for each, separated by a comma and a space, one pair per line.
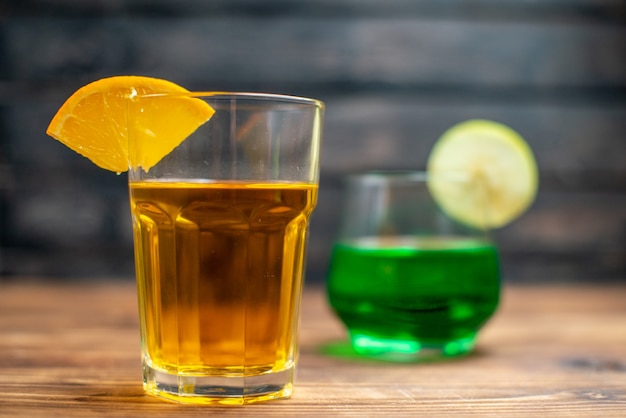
406, 295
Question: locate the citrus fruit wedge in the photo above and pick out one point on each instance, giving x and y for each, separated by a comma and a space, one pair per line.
96, 121
496, 172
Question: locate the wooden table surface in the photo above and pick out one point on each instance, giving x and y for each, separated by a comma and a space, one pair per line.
73, 350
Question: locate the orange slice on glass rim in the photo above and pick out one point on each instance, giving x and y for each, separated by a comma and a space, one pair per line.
94, 121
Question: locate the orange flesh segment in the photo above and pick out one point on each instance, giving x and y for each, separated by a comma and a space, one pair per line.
94, 121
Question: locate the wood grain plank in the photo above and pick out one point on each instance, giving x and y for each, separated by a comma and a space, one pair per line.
550, 350
584, 10
378, 131
382, 131
209, 53
394, 74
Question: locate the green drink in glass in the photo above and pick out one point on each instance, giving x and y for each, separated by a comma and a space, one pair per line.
405, 278
407, 295
414, 270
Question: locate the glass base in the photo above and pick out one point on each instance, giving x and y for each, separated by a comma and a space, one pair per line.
218, 390
403, 350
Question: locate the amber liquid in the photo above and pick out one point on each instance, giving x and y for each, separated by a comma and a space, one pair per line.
219, 273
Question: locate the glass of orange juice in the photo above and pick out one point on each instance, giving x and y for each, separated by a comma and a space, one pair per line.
220, 230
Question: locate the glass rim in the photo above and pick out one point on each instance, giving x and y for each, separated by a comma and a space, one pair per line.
382, 177
226, 95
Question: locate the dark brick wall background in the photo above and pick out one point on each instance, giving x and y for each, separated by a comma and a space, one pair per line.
394, 75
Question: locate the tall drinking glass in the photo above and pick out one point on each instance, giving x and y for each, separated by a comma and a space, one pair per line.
407, 280
220, 231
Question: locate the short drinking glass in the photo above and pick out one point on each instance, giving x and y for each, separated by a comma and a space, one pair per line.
407, 280
220, 230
